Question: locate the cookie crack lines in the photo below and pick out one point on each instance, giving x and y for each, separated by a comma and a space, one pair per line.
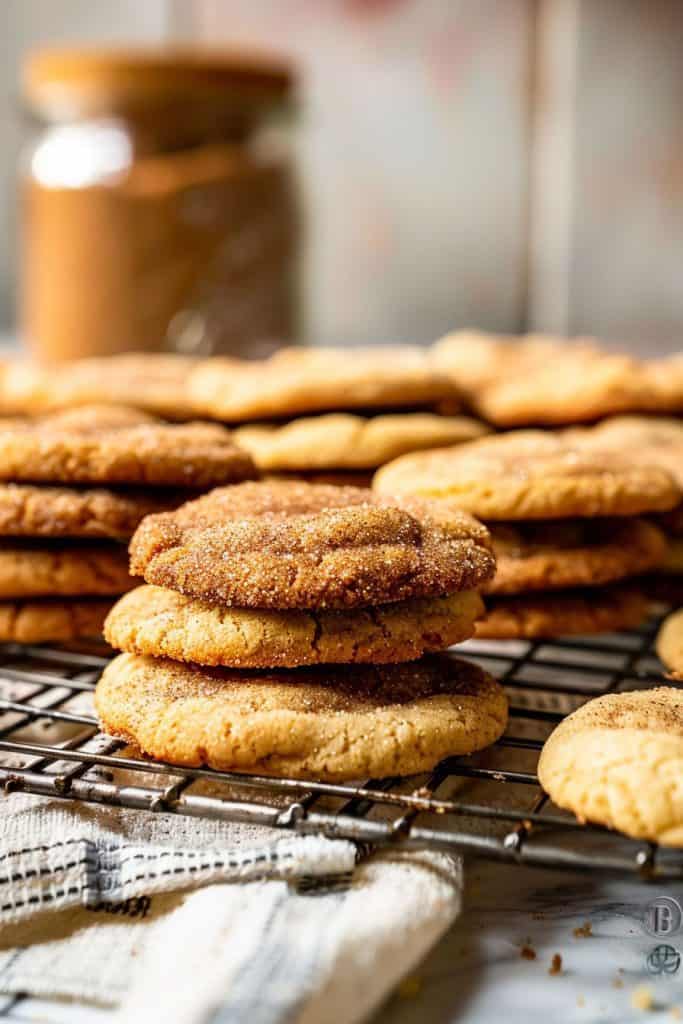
350, 549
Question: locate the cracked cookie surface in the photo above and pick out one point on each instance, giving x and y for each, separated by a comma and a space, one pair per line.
618, 761
114, 445
279, 544
533, 476
162, 623
338, 722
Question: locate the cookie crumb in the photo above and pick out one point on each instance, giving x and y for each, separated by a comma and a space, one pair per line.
584, 931
675, 1013
555, 964
410, 987
617, 983
527, 953
641, 998
580, 1001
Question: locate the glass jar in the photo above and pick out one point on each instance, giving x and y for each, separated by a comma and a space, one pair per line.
158, 202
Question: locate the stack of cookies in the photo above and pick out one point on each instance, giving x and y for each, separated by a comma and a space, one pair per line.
566, 525
74, 486
371, 406
285, 629
649, 441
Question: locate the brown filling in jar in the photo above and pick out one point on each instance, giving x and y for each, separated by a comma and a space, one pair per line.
159, 208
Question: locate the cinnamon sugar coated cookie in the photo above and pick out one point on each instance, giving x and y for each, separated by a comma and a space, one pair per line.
155, 382
162, 623
563, 613
652, 441
29, 510
669, 643
542, 555
332, 723
345, 441
279, 544
52, 620
549, 381
529, 478
116, 445
37, 569
304, 380
618, 761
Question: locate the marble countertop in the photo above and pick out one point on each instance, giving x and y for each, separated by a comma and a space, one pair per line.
497, 959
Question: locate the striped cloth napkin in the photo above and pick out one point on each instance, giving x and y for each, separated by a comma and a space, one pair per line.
166, 917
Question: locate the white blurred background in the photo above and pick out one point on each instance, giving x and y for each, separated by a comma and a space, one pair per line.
512, 164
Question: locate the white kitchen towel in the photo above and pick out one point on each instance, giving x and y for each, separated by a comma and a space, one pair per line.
184, 919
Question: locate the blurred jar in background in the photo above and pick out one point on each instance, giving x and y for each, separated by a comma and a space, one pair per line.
159, 209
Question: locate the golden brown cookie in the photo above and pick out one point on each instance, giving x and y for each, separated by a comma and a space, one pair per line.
562, 613
29, 510
542, 555
56, 620
649, 440
669, 643
304, 380
156, 621
44, 569
155, 382
278, 544
539, 380
115, 445
345, 441
475, 359
338, 722
618, 761
505, 478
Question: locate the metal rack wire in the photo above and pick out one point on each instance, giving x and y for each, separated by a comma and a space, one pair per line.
489, 804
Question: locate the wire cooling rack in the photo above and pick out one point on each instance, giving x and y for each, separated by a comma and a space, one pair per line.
489, 804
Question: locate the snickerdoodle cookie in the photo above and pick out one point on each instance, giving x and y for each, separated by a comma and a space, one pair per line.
278, 544
562, 613
69, 568
652, 441
338, 722
540, 555
549, 381
155, 382
163, 623
530, 478
52, 620
670, 643
304, 380
618, 761
29, 510
346, 441
116, 445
